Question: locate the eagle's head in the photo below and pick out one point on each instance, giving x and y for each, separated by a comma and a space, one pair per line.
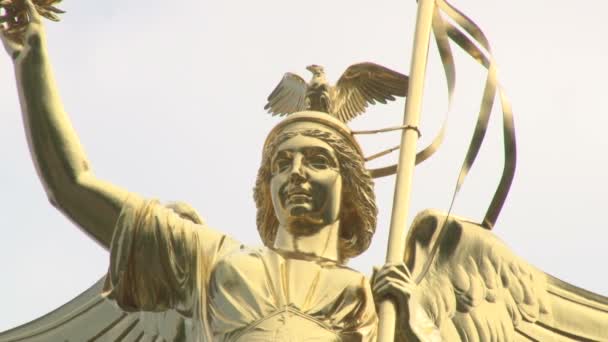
315, 69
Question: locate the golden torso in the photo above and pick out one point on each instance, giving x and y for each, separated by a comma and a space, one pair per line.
264, 295
232, 292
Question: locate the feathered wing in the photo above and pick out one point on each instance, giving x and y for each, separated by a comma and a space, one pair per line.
364, 84
89, 317
476, 289
289, 96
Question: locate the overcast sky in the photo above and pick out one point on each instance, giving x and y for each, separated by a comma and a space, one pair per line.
167, 97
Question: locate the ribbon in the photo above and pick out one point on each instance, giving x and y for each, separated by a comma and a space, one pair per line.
442, 27
479, 49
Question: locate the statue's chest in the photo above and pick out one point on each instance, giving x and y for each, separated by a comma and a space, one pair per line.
250, 286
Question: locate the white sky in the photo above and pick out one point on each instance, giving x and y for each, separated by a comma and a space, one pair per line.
167, 97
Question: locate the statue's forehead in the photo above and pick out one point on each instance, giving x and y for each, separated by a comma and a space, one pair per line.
304, 143
312, 121
306, 125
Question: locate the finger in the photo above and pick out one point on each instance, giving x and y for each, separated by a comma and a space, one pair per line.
394, 271
405, 269
401, 266
400, 290
375, 270
392, 284
393, 291
386, 271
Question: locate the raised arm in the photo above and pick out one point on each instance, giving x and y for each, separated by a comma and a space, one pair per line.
60, 160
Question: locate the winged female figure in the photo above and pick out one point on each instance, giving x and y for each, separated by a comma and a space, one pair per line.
316, 209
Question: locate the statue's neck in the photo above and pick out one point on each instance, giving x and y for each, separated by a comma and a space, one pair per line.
322, 244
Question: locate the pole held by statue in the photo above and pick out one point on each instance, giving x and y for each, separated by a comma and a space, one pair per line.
407, 158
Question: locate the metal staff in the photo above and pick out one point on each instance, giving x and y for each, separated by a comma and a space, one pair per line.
407, 158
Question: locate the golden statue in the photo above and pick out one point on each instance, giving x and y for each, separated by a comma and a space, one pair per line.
174, 278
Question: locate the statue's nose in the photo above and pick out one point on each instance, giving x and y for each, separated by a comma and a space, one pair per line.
297, 174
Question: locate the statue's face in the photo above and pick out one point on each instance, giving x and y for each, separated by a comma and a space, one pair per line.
306, 184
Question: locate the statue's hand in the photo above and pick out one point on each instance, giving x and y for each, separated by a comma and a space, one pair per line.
21, 27
394, 281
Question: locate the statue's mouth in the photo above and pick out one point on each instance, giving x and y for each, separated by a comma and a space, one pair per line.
298, 199
298, 195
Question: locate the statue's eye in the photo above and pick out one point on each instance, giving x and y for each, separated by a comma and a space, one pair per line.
319, 161
281, 164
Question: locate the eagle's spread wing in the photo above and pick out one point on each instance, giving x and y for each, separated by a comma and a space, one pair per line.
288, 97
363, 84
476, 289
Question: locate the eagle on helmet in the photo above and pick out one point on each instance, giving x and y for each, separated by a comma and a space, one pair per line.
360, 85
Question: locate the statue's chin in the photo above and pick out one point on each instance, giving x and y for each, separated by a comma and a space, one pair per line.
304, 224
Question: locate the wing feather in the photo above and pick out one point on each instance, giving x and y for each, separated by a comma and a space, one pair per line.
288, 96
278, 101
279, 104
476, 289
364, 84
301, 102
359, 99
89, 317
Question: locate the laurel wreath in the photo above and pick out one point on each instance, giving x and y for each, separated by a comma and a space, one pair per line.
14, 17
47, 9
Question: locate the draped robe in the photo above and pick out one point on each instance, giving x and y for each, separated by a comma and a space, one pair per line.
162, 261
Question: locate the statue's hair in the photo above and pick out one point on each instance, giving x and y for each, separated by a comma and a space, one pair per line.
358, 212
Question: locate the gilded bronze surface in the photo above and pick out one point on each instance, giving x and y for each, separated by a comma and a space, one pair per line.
361, 85
174, 278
